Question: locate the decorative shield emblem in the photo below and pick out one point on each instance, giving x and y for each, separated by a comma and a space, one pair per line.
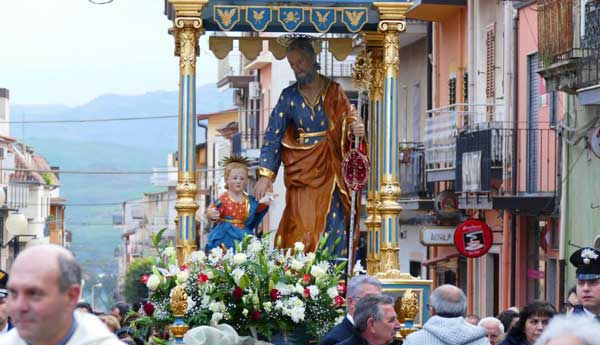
226, 16
258, 17
322, 18
354, 18
355, 169
291, 17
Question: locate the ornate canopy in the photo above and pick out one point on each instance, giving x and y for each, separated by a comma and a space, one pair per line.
316, 16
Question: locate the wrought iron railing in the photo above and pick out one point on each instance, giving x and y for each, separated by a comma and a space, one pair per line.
533, 162
555, 31
588, 71
443, 125
412, 170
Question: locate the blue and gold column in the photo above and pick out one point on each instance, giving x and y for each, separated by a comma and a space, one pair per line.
186, 30
392, 22
374, 41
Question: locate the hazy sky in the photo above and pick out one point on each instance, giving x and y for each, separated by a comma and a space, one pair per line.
71, 51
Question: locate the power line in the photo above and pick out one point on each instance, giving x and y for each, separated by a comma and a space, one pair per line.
110, 119
108, 172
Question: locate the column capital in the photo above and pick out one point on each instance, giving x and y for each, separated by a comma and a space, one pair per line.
392, 15
373, 39
188, 8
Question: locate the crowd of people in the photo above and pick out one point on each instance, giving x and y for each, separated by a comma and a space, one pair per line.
41, 296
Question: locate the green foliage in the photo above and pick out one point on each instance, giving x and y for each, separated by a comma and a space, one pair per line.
134, 290
47, 176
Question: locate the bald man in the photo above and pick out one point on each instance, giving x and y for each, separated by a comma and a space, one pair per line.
448, 305
43, 290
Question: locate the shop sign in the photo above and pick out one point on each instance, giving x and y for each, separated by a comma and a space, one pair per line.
437, 236
473, 238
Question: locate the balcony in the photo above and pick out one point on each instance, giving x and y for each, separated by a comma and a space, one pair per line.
588, 69
414, 194
557, 50
503, 167
441, 129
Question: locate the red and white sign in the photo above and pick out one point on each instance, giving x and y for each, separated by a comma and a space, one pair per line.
473, 238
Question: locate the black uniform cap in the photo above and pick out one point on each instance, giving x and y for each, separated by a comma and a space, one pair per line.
587, 261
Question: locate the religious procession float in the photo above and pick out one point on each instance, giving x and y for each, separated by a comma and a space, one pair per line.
288, 288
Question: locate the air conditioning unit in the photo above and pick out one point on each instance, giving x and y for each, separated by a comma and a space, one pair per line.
254, 90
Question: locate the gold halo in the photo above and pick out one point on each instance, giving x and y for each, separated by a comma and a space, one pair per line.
235, 159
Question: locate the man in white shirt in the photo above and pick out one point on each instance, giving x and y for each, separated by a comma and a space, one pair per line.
43, 291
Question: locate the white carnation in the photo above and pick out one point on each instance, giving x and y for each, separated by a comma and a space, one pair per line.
311, 256
182, 277
245, 312
254, 247
268, 306
216, 253
237, 275
317, 271
296, 265
153, 282
332, 292
299, 289
314, 291
299, 247
198, 256
239, 258
216, 317
297, 314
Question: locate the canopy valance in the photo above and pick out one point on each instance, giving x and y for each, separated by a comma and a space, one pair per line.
251, 47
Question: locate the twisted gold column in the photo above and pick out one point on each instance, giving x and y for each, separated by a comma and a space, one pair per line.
187, 29
391, 24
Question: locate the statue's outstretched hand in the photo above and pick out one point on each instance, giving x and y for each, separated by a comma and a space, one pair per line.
263, 186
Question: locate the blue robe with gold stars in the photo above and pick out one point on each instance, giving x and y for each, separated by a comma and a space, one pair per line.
310, 139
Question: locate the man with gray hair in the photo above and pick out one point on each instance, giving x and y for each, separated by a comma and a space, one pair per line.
494, 329
375, 321
572, 330
358, 287
43, 290
447, 326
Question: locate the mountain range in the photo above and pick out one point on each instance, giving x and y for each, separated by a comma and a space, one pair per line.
137, 145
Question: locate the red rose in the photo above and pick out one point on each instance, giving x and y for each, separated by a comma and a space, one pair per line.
255, 315
148, 308
237, 293
306, 292
144, 278
275, 294
306, 278
338, 301
202, 278
183, 268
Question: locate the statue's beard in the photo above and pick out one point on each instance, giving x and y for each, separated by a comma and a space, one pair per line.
308, 77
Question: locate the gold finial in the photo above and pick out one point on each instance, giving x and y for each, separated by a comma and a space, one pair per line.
410, 305
361, 70
179, 302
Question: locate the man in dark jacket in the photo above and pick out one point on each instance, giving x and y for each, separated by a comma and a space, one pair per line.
358, 287
587, 261
375, 321
5, 324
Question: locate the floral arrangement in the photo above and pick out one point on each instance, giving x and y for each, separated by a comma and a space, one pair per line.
257, 290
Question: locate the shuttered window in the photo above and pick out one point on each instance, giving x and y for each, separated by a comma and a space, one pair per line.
533, 97
490, 70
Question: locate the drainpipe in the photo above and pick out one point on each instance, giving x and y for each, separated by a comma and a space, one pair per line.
515, 170
564, 187
471, 51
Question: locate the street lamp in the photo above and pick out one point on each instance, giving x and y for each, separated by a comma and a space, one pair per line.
16, 226
93, 299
